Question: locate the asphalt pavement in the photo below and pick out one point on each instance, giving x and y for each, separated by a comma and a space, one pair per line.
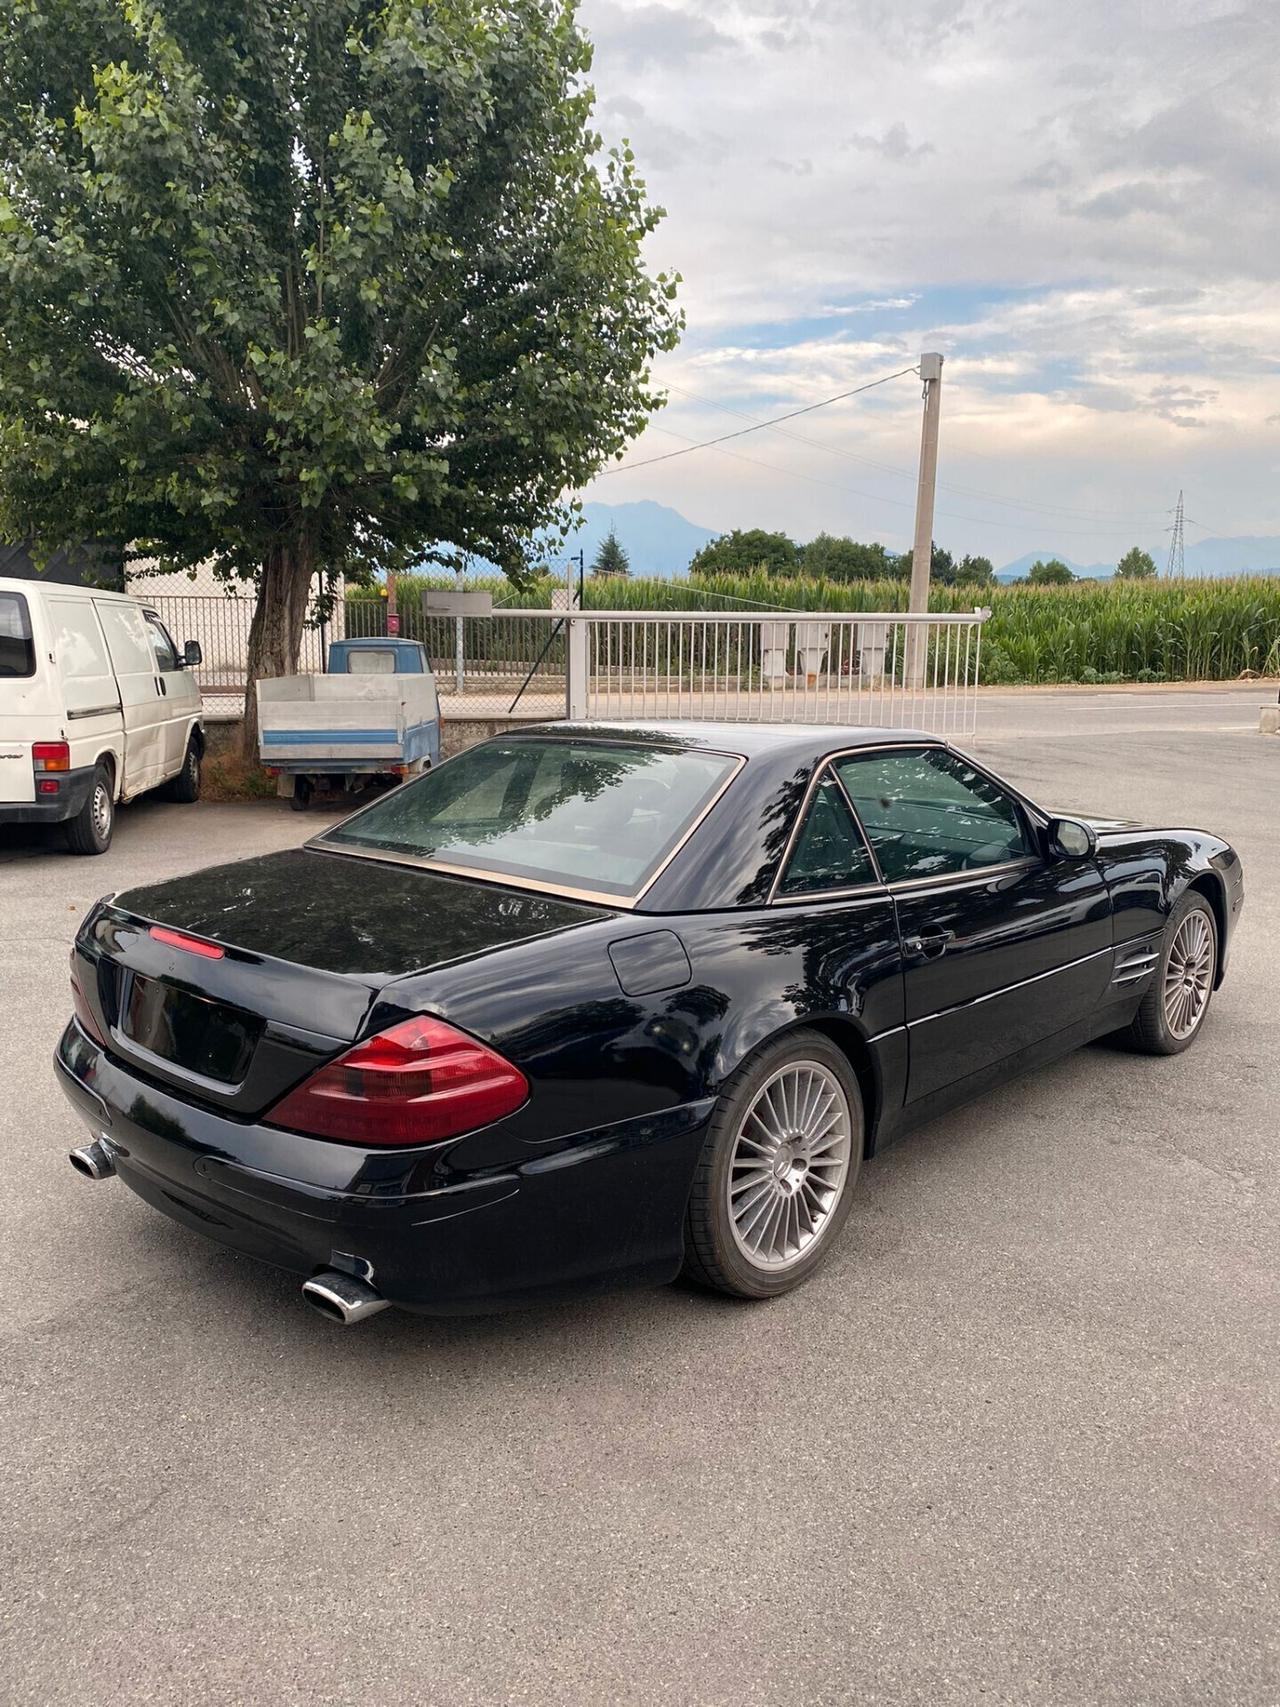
1016, 1443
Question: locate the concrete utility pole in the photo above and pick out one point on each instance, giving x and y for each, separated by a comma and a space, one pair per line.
922, 548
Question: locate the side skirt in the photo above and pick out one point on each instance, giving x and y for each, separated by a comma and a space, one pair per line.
896, 1123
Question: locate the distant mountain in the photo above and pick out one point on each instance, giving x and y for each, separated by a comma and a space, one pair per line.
658, 541
1017, 570
1249, 554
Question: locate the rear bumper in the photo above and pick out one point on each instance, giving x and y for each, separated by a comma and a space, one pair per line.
73, 791
598, 1209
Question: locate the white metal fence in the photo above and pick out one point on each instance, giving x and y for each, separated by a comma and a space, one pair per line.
918, 672
876, 667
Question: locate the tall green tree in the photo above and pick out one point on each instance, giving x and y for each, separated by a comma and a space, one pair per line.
942, 566
294, 285
1136, 565
975, 572
742, 550
1052, 573
833, 557
611, 561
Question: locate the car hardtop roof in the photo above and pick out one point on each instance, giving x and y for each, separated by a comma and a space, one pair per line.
749, 740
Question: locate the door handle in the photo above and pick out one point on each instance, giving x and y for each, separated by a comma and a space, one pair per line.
162, 688
928, 947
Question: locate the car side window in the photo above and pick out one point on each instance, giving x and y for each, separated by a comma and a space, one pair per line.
928, 813
829, 851
166, 653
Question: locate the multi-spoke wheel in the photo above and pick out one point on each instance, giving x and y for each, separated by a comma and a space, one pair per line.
1188, 973
1173, 1009
776, 1176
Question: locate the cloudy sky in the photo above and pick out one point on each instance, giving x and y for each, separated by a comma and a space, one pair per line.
1076, 201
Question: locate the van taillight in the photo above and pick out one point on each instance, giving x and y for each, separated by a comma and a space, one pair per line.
418, 1083
51, 756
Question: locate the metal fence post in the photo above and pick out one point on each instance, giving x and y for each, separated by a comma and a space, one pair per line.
575, 674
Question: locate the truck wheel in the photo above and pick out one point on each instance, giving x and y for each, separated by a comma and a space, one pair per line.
89, 832
302, 791
185, 787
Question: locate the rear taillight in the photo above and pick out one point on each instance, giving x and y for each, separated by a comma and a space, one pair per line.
84, 1013
418, 1083
51, 756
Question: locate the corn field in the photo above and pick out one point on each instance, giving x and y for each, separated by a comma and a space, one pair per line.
1095, 631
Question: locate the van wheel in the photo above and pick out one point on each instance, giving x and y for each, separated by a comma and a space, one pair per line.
185, 787
89, 832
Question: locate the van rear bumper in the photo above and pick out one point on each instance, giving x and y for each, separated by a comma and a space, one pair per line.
73, 791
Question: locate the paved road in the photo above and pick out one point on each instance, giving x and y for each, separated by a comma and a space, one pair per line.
1016, 1444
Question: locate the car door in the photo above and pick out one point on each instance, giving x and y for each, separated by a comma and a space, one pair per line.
135, 667
845, 921
175, 698
1003, 945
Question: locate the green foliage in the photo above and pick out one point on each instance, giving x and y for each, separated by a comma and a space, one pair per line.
1054, 573
289, 286
975, 572
1146, 631
742, 551
833, 557
611, 560
1136, 565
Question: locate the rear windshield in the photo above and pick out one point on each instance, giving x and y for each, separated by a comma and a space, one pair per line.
17, 654
587, 815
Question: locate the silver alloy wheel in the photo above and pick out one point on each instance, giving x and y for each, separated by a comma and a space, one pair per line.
789, 1164
100, 809
1188, 974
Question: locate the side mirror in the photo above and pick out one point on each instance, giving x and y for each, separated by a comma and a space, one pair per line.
192, 654
1070, 839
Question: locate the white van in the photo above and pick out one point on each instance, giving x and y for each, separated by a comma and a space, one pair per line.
97, 705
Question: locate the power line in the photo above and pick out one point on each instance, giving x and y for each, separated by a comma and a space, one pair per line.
758, 426
858, 492
1136, 517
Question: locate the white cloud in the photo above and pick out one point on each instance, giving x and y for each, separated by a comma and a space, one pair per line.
1075, 204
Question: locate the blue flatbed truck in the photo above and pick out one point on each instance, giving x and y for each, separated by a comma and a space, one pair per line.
372, 714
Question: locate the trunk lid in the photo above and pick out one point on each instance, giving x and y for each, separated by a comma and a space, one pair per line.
304, 940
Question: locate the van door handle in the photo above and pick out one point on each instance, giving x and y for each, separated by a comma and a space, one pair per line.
928, 947
161, 687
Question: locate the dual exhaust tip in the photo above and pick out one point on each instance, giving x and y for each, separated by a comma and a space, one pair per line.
339, 1297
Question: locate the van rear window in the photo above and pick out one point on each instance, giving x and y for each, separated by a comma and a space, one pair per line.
17, 654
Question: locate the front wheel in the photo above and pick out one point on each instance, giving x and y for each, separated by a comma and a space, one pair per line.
776, 1177
89, 832
1173, 1009
185, 787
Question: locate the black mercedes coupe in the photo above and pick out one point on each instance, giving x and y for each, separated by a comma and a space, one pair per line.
594, 1004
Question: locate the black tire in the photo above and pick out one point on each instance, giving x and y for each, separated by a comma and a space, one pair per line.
185, 787
1151, 1032
714, 1254
90, 831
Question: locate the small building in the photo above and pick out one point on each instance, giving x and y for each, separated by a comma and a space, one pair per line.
94, 565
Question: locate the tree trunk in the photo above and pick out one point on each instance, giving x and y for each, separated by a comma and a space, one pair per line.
275, 634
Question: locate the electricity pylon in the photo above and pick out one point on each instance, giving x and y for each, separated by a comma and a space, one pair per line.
1177, 565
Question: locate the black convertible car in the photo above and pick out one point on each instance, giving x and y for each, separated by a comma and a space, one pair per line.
593, 1004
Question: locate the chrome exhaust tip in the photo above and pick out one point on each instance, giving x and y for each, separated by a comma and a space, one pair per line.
93, 1161
341, 1297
